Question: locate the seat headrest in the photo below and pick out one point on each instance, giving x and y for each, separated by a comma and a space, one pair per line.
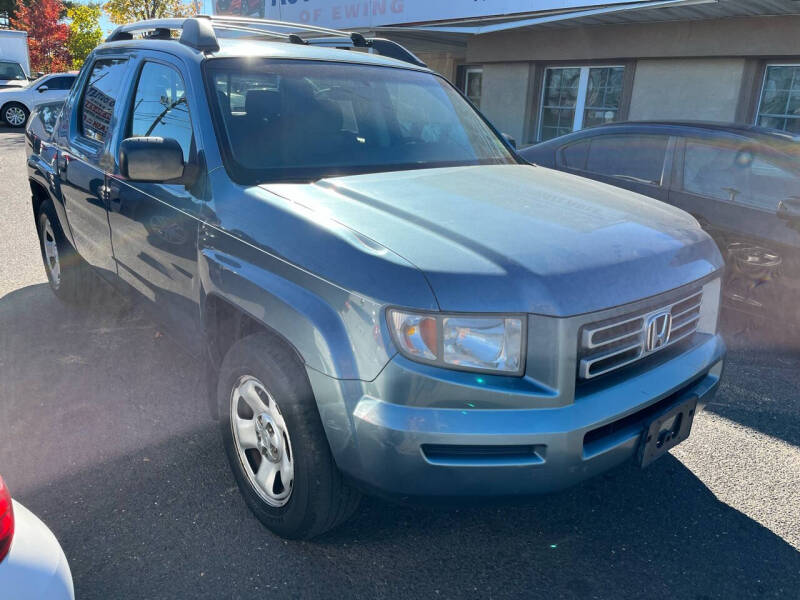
263, 104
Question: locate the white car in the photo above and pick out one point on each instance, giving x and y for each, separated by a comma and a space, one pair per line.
32, 563
16, 103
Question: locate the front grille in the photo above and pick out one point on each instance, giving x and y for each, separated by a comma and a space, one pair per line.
614, 343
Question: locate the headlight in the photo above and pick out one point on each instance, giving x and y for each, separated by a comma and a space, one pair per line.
473, 343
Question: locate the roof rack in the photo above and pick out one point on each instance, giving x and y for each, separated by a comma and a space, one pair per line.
202, 32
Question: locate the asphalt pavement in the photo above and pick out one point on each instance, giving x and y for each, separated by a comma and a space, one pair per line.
105, 435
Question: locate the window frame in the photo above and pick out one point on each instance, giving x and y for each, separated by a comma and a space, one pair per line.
471, 69
760, 90
583, 87
77, 134
130, 101
536, 89
665, 180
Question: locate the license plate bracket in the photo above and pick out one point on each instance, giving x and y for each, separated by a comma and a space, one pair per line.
666, 430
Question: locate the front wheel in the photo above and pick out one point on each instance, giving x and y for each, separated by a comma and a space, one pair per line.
275, 442
69, 276
15, 114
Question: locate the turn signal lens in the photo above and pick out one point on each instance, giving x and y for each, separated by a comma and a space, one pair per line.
416, 334
6, 520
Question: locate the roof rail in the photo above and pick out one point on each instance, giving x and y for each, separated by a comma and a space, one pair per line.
202, 32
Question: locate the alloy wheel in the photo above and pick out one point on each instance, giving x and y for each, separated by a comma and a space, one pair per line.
15, 116
50, 247
262, 441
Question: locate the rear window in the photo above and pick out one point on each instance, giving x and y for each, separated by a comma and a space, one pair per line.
304, 120
100, 96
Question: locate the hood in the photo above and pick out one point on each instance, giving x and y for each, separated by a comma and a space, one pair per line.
519, 238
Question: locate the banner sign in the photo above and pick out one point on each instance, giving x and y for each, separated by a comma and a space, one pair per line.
344, 14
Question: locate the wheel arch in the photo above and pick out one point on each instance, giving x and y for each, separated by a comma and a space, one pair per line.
225, 323
39, 196
8, 103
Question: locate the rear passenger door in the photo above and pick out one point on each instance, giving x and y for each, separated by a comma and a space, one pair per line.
637, 162
84, 158
154, 226
733, 187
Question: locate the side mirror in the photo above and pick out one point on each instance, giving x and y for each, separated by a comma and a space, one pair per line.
512, 142
151, 159
789, 209
42, 88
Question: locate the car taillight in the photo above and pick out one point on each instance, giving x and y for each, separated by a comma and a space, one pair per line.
6, 520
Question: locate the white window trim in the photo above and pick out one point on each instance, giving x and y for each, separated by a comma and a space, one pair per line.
467, 72
583, 86
764, 82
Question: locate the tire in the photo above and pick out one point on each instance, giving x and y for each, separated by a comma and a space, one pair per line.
15, 114
69, 276
316, 498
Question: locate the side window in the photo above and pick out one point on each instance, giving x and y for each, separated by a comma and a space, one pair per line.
99, 97
60, 83
633, 157
574, 155
736, 173
160, 108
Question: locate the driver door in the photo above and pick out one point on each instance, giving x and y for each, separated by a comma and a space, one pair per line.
733, 187
154, 226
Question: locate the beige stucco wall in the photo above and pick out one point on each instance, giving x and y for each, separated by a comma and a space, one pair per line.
703, 89
751, 36
443, 63
504, 96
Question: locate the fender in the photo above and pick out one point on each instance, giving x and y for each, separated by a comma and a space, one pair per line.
312, 315
41, 172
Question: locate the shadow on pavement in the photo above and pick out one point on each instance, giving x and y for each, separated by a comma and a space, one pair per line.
106, 437
762, 375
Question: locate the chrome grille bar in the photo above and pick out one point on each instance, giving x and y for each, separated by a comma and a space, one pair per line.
612, 344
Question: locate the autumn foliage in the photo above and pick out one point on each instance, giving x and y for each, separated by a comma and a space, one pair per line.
47, 38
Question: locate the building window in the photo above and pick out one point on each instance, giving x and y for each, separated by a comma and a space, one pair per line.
780, 98
578, 97
473, 81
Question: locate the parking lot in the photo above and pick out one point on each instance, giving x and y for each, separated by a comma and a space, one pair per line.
104, 434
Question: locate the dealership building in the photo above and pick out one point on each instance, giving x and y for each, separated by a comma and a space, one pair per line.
542, 68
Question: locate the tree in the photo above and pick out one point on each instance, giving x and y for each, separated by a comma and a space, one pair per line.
84, 31
127, 11
47, 38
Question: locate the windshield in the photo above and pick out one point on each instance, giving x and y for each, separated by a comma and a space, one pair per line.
293, 120
11, 70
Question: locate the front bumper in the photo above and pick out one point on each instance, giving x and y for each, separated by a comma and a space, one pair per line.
408, 449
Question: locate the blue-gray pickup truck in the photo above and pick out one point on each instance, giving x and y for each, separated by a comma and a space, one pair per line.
386, 297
